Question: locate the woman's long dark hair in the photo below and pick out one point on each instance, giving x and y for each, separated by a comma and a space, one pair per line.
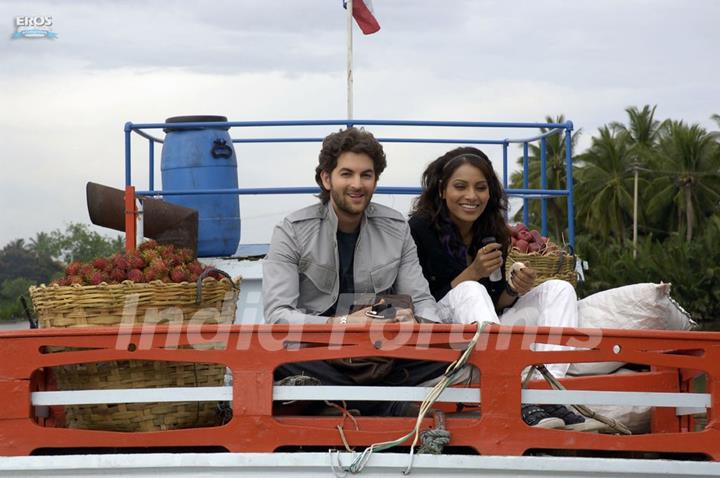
431, 206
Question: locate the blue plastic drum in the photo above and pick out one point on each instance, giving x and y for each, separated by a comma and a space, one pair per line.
204, 158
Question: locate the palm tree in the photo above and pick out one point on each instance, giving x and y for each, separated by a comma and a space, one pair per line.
555, 173
43, 245
643, 129
604, 197
643, 133
687, 188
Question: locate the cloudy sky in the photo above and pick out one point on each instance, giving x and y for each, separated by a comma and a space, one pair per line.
64, 101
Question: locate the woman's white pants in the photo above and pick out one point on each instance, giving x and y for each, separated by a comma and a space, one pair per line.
551, 304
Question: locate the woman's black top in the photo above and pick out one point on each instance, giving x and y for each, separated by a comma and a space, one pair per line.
439, 266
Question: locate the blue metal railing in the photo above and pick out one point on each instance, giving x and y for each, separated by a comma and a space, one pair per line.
525, 192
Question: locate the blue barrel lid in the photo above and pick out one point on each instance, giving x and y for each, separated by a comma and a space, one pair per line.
195, 119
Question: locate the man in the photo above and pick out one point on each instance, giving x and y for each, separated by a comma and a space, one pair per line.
342, 247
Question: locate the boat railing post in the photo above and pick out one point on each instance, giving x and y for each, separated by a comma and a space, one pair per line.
506, 178
543, 186
569, 180
526, 181
131, 213
151, 162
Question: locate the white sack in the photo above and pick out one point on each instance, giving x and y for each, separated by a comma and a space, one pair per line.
636, 307
636, 418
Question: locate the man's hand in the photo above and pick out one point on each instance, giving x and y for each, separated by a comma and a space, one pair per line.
357, 317
360, 317
404, 315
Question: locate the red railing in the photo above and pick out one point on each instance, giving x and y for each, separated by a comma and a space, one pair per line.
253, 352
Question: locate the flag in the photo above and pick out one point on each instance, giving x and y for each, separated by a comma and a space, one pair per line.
363, 15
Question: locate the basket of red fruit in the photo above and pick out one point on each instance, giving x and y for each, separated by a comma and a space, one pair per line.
549, 260
158, 284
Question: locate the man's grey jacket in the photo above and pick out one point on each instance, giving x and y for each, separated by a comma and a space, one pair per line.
300, 272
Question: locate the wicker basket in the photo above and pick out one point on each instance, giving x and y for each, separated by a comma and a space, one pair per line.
554, 266
102, 305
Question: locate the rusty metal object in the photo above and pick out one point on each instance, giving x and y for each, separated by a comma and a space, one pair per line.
166, 223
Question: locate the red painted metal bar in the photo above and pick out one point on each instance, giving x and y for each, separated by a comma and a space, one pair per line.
253, 352
130, 219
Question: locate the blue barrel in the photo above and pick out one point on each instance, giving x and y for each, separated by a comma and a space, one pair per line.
204, 158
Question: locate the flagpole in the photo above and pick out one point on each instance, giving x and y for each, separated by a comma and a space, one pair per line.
349, 59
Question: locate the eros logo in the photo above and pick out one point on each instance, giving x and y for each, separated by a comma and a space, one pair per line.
33, 21
39, 26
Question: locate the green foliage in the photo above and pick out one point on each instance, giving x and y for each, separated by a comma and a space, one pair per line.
604, 194
685, 189
43, 258
79, 243
678, 221
10, 292
642, 130
19, 260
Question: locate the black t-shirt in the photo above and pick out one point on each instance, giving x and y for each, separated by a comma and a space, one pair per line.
346, 255
439, 266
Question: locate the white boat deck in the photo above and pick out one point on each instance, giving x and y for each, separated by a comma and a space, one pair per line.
266, 465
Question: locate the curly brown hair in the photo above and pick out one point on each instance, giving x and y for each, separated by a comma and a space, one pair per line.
355, 140
431, 206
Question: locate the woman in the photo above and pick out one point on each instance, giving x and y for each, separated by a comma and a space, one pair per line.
458, 223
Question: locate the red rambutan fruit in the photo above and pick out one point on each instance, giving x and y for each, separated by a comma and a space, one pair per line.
119, 261
186, 255
96, 278
75, 279
65, 281
159, 264
195, 267
179, 274
118, 275
135, 261
166, 250
149, 274
73, 268
174, 260
149, 244
148, 255
136, 275
100, 263
156, 273
86, 270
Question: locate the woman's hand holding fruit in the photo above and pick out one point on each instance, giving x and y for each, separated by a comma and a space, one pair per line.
521, 278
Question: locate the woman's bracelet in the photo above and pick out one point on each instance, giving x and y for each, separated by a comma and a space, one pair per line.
510, 291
